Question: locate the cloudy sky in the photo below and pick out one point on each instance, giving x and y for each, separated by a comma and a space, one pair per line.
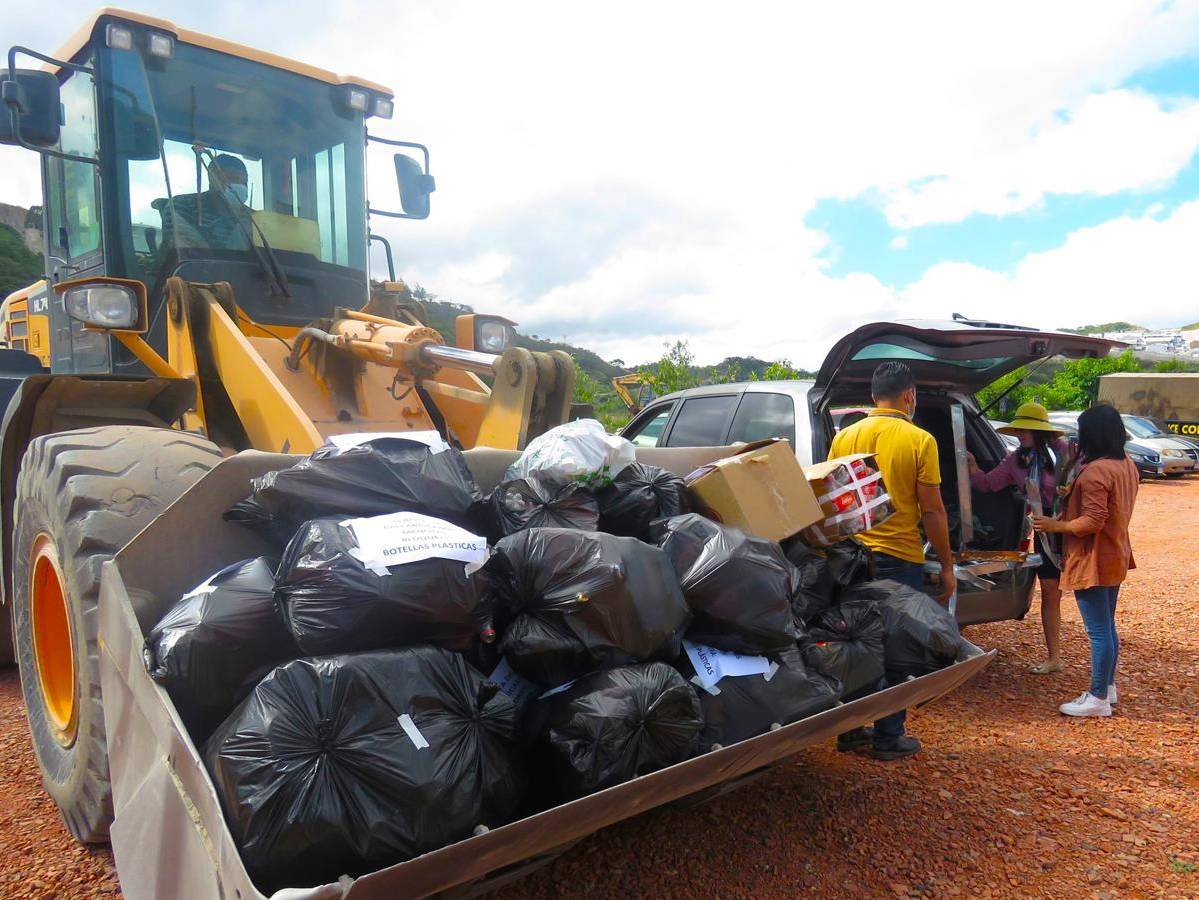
758, 178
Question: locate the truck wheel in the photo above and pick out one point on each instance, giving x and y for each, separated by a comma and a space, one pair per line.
81, 496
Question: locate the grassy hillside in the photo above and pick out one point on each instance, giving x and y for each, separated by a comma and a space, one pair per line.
18, 265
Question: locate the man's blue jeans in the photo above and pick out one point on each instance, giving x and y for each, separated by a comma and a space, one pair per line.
912, 574
1098, 608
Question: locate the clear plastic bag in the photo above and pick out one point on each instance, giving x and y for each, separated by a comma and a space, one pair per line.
576, 451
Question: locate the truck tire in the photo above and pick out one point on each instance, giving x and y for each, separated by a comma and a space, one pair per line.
81, 496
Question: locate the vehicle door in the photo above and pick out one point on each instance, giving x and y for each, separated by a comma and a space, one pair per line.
703, 420
646, 428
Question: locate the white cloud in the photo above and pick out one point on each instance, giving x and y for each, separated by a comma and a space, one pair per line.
1142, 270
1109, 142
631, 173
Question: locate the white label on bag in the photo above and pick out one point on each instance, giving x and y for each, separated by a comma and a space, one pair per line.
431, 439
519, 688
711, 664
405, 537
412, 731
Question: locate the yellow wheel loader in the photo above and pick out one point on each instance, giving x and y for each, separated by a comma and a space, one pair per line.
207, 291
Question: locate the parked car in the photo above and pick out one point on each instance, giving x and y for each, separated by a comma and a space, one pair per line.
951, 360
1156, 454
1148, 431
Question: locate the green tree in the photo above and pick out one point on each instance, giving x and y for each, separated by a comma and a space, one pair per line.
779, 370
1073, 385
675, 371
1176, 365
19, 267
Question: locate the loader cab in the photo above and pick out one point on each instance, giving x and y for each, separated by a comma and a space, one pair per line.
130, 190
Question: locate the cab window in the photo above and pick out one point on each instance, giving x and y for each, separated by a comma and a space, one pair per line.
763, 416
649, 432
702, 422
73, 212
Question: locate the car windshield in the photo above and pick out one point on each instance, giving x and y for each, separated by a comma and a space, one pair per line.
287, 146
1142, 428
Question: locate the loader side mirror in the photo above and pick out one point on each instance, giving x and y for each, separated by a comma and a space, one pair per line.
415, 186
29, 102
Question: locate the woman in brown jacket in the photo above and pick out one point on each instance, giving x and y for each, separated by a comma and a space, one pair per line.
1097, 550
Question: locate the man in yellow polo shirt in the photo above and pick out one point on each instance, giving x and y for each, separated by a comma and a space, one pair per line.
907, 457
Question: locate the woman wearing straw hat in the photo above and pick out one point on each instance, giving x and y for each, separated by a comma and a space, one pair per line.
1040, 456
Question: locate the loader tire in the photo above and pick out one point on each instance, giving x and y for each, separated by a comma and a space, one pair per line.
81, 496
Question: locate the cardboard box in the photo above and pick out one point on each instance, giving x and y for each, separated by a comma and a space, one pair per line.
851, 495
760, 490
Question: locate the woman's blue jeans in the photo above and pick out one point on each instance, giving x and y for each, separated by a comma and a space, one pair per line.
1098, 608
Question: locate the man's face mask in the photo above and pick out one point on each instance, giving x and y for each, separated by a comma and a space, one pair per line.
237, 192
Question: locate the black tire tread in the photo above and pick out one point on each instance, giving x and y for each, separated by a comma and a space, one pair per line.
96, 488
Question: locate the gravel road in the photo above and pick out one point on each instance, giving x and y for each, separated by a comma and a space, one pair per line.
1009, 799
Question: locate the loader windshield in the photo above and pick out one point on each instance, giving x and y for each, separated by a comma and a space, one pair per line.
289, 185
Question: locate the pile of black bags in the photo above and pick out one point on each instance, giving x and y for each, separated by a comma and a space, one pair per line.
421, 652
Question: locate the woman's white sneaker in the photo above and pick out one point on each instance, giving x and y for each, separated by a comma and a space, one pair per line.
1087, 705
1112, 696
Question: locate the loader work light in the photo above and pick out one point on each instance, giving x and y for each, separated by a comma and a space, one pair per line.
383, 108
357, 99
160, 45
118, 37
107, 304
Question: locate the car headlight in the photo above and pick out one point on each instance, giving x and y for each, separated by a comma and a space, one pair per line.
1173, 454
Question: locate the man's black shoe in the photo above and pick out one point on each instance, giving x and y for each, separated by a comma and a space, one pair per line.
858, 739
904, 745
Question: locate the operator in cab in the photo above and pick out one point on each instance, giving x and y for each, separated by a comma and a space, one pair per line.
215, 219
907, 458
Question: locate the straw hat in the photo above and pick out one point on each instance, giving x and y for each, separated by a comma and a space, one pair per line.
1030, 417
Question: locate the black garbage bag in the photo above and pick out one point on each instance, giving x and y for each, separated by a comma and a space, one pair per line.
739, 707
610, 726
536, 503
638, 495
209, 644
381, 476
345, 764
846, 642
568, 602
739, 587
816, 589
921, 635
335, 603
849, 563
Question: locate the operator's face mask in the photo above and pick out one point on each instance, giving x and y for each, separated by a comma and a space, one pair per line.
238, 193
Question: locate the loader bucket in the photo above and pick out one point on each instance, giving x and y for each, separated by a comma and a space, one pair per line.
169, 835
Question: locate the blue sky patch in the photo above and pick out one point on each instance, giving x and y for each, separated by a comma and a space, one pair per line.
861, 239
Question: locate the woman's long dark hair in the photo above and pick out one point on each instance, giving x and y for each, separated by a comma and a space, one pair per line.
1101, 434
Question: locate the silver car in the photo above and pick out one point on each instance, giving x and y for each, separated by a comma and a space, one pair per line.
1153, 451
951, 360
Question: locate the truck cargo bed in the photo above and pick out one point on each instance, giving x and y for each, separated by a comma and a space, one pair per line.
169, 835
